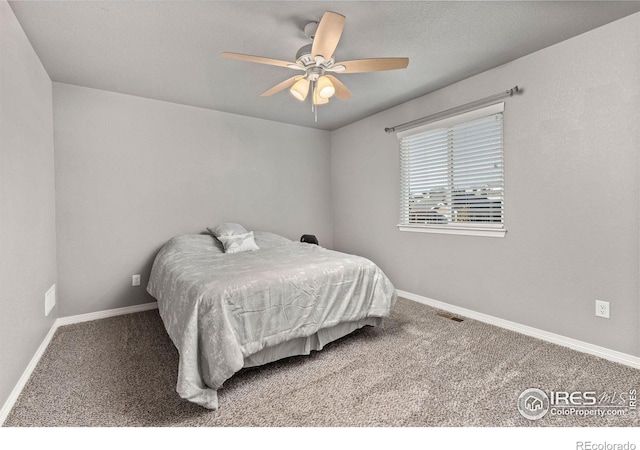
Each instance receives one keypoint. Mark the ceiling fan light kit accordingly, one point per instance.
(300, 89)
(317, 61)
(317, 99)
(325, 87)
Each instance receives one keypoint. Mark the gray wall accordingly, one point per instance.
(133, 172)
(27, 204)
(571, 201)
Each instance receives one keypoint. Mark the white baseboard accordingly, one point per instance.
(584, 347)
(62, 321)
(4, 412)
(106, 313)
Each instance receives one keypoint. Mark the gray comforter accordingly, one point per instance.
(220, 308)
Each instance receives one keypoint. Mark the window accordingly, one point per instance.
(452, 175)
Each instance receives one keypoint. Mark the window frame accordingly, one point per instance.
(484, 229)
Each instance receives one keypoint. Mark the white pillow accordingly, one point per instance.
(228, 229)
(239, 243)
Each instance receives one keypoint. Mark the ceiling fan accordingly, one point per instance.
(317, 62)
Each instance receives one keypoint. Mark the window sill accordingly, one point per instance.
(484, 232)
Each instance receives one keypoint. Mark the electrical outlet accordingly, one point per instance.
(49, 300)
(135, 280)
(602, 309)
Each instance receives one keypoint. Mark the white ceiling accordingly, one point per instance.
(170, 50)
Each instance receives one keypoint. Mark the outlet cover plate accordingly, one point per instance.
(135, 280)
(602, 309)
(49, 300)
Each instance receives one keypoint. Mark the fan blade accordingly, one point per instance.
(281, 86)
(370, 65)
(327, 35)
(341, 90)
(261, 60)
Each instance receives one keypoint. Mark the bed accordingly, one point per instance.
(225, 311)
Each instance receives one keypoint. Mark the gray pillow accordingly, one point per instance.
(228, 229)
(239, 243)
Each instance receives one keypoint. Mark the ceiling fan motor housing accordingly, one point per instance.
(303, 56)
(305, 59)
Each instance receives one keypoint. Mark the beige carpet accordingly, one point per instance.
(419, 370)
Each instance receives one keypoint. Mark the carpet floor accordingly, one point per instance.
(420, 369)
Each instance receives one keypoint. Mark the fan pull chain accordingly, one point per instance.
(314, 107)
(313, 89)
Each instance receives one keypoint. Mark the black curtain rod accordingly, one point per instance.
(457, 109)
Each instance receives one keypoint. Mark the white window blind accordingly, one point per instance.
(452, 174)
